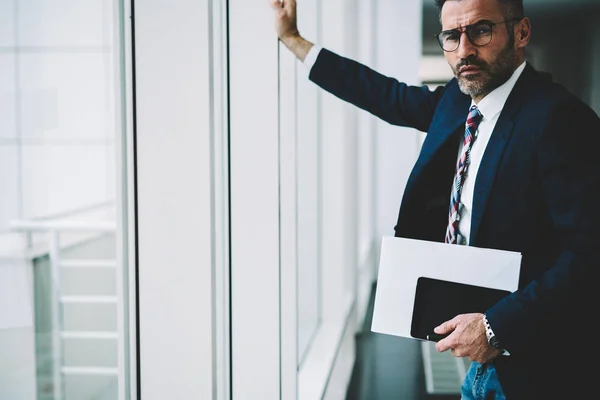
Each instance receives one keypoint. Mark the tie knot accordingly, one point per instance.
(474, 116)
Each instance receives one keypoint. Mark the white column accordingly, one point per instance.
(176, 188)
(336, 137)
(255, 201)
(308, 187)
(367, 134)
(290, 287)
(398, 55)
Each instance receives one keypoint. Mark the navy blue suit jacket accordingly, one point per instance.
(537, 192)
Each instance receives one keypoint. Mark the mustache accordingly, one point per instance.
(472, 61)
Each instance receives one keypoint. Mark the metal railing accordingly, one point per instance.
(54, 227)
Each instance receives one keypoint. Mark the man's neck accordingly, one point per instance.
(477, 98)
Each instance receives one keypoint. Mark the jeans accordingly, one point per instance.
(481, 383)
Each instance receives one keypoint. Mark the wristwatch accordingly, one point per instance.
(491, 337)
(495, 343)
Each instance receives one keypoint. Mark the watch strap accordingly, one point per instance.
(489, 333)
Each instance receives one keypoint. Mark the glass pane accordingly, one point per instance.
(308, 217)
(308, 193)
(62, 332)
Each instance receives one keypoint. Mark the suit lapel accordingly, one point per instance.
(494, 151)
(455, 108)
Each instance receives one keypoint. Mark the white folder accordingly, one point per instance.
(403, 261)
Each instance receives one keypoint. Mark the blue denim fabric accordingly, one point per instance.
(481, 383)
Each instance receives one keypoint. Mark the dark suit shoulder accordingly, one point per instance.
(542, 90)
(543, 100)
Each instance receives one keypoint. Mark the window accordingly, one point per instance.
(63, 300)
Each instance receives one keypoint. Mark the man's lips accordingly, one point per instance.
(469, 69)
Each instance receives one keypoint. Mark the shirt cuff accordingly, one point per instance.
(311, 57)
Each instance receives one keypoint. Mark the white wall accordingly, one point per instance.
(57, 106)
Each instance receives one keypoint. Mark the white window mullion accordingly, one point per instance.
(220, 126)
(255, 209)
(289, 224)
(176, 188)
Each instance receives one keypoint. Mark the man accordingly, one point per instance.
(509, 162)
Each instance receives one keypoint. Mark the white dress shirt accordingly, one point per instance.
(490, 107)
(311, 57)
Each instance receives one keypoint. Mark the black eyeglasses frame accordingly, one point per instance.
(467, 29)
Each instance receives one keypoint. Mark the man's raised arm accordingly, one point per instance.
(394, 102)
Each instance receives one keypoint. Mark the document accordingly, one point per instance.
(403, 261)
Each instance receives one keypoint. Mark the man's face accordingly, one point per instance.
(479, 69)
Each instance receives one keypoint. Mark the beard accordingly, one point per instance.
(490, 76)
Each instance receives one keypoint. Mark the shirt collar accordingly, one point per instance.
(492, 104)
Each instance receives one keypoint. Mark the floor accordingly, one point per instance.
(388, 368)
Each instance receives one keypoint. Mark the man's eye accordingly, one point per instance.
(451, 37)
(480, 30)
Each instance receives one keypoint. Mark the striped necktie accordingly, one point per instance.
(462, 165)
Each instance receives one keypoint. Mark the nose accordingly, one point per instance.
(465, 47)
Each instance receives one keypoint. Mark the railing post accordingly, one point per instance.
(56, 315)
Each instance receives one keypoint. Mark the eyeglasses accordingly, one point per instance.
(479, 34)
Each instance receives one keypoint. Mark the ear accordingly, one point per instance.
(522, 33)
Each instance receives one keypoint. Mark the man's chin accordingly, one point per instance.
(471, 87)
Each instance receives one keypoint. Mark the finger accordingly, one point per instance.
(444, 345)
(289, 5)
(446, 327)
(440, 347)
(449, 342)
(276, 4)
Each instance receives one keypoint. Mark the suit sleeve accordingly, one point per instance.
(569, 168)
(392, 101)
